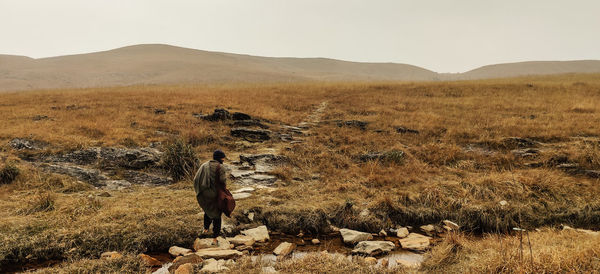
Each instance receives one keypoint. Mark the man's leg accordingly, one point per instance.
(207, 222)
(217, 227)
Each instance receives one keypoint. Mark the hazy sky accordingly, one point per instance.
(440, 35)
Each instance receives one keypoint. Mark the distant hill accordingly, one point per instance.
(164, 64)
(531, 68)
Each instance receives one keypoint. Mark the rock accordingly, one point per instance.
(402, 232)
(251, 134)
(203, 243)
(407, 264)
(428, 229)
(104, 194)
(269, 269)
(566, 227)
(589, 232)
(179, 251)
(249, 123)
(284, 249)
(187, 259)
(416, 242)
(403, 130)
(591, 173)
(40, 117)
(352, 236)
(242, 240)
(115, 184)
(244, 189)
(517, 142)
(451, 225)
(88, 175)
(353, 123)
(149, 261)
(240, 196)
(218, 253)
(240, 116)
(160, 111)
(385, 262)
(373, 247)
(265, 158)
(218, 115)
(525, 153)
(251, 216)
(503, 203)
(315, 241)
(382, 233)
(371, 260)
(213, 266)
(22, 143)
(259, 234)
(109, 255)
(185, 269)
(129, 158)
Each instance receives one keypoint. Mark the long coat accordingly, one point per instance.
(206, 187)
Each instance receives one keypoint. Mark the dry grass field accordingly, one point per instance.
(447, 150)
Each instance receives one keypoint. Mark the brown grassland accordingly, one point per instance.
(459, 166)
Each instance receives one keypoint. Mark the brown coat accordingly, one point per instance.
(205, 187)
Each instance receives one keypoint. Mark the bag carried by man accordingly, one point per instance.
(225, 201)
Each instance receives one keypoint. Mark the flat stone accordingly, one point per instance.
(259, 234)
(187, 259)
(251, 134)
(315, 241)
(244, 189)
(110, 255)
(240, 196)
(503, 203)
(242, 240)
(149, 260)
(218, 253)
(352, 236)
(373, 247)
(213, 266)
(406, 263)
(268, 269)
(382, 233)
(179, 251)
(284, 249)
(451, 225)
(185, 269)
(371, 260)
(429, 229)
(236, 173)
(415, 241)
(402, 232)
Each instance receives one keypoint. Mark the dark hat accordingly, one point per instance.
(218, 154)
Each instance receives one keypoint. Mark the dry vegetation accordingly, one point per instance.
(459, 166)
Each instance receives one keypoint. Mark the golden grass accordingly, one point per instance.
(458, 167)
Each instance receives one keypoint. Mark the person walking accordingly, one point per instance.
(209, 178)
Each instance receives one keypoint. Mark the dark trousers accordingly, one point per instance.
(216, 224)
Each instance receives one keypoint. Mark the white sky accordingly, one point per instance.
(440, 35)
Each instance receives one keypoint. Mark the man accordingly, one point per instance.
(205, 185)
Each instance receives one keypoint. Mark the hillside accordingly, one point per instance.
(531, 68)
(163, 64)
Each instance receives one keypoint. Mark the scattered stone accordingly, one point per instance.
(144, 178)
(149, 260)
(525, 153)
(589, 232)
(284, 249)
(407, 264)
(382, 233)
(592, 173)
(22, 143)
(373, 247)
(179, 251)
(315, 241)
(187, 259)
(415, 241)
(88, 175)
(451, 225)
(371, 260)
(244, 189)
(242, 240)
(353, 123)
(259, 234)
(185, 269)
(403, 130)
(115, 184)
(240, 116)
(109, 255)
(251, 135)
(428, 229)
(251, 216)
(218, 253)
(160, 111)
(218, 115)
(39, 117)
(517, 142)
(204, 243)
(402, 232)
(249, 123)
(503, 203)
(240, 196)
(385, 262)
(352, 236)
